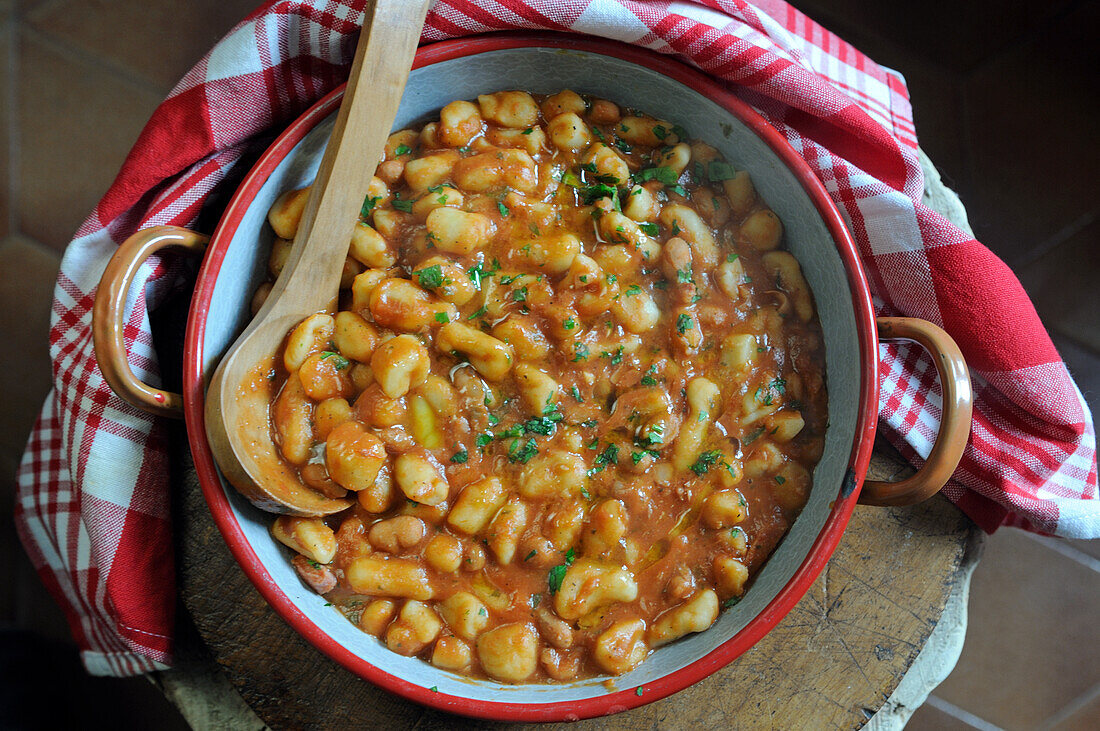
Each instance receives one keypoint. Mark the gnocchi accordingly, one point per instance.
(574, 387)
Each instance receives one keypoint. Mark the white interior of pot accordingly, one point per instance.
(542, 70)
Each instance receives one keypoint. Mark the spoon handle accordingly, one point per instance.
(378, 75)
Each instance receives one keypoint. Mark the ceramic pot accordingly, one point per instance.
(236, 261)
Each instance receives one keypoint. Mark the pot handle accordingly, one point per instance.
(958, 407)
(109, 310)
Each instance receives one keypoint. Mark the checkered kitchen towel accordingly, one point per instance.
(93, 506)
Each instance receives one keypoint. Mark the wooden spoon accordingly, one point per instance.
(239, 396)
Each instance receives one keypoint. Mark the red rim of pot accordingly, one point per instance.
(615, 701)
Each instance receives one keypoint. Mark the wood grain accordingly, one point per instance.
(833, 660)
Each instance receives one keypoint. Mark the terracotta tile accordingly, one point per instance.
(1030, 117)
(1062, 285)
(1032, 635)
(930, 718)
(189, 29)
(76, 128)
(1085, 718)
(27, 273)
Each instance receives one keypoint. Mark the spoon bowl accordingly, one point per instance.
(239, 395)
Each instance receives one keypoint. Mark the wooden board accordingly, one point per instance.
(833, 660)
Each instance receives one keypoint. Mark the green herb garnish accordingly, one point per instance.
(338, 361)
(430, 277)
(705, 461)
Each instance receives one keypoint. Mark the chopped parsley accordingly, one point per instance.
(483, 440)
(653, 436)
(592, 193)
(732, 258)
(478, 312)
(557, 574)
(576, 392)
(368, 205)
(527, 131)
(650, 229)
(662, 174)
(648, 379)
(580, 352)
(685, 276)
(730, 602)
(639, 691)
(633, 290)
(705, 461)
(684, 323)
(519, 295)
(430, 277)
(753, 435)
(608, 457)
(660, 132)
(478, 272)
(569, 324)
(524, 453)
(402, 150)
(718, 170)
(442, 317)
(543, 425)
(780, 479)
(401, 205)
(503, 209)
(338, 361)
(766, 394)
(555, 577)
(460, 457)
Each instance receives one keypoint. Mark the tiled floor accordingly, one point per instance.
(1006, 100)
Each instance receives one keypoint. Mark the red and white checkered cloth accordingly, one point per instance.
(92, 507)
